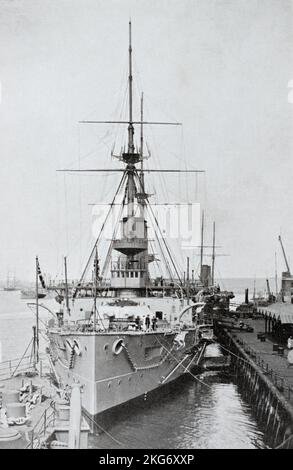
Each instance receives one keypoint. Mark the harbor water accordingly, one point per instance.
(207, 411)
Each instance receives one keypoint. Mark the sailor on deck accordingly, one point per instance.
(290, 342)
(147, 322)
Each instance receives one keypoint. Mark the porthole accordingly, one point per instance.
(106, 347)
(109, 384)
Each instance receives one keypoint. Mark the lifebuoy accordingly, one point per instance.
(117, 347)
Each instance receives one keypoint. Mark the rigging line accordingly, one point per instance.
(22, 357)
(105, 135)
(197, 269)
(57, 211)
(108, 256)
(157, 223)
(163, 256)
(169, 271)
(117, 93)
(155, 260)
(104, 430)
(138, 82)
(161, 178)
(166, 245)
(66, 211)
(185, 368)
(90, 152)
(79, 200)
(108, 433)
(120, 115)
(174, 257)
(102, 228)
(233, 354)
(103, 139)
(184, 158)
(111, 242)
(220, 278)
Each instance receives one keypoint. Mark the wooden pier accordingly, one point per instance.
(261, 365)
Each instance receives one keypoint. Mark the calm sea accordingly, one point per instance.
(208, 412)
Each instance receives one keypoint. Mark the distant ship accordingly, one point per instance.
(10, 283)
(31, 294)
(133, 336)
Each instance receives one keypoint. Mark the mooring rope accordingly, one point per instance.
(107, 432)
(185, 368)
(285, 441)
(242, 359)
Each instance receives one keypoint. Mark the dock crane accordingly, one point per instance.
(285, 257)
(271, 297)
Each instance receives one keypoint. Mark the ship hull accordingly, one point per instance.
(148, 362)
(31, 295)
(161, 394)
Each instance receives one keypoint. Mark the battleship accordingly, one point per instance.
(126, 341)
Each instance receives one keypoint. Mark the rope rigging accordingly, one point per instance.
(159, 228)
(98, 238)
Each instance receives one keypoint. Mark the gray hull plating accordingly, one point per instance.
(114, 368)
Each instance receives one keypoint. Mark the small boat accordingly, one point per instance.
(237, 326)
(31, 294)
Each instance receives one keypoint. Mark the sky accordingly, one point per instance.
(220, 67)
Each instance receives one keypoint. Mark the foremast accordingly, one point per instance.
(130, 274)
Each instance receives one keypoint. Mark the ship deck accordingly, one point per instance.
(37, 412)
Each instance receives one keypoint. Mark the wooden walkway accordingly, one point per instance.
(272, 363)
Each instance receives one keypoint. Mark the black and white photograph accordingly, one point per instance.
(146, 236)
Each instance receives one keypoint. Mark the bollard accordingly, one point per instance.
(75, 418)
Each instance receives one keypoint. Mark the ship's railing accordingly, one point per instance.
(43, 427)
(119, 324)
(12, 367)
